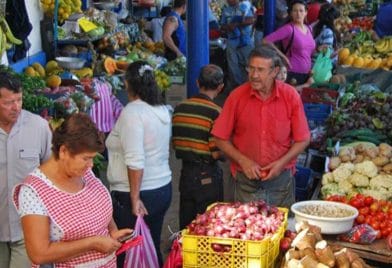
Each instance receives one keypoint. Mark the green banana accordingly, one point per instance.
(8, 33)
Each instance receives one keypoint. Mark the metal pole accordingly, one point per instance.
(269, 16)
(197, 42)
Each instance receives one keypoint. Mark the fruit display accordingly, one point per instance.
(247, 221)
(360, 168)
(7, 38)
(65, 8)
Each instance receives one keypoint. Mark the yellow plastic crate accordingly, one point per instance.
(197, 250)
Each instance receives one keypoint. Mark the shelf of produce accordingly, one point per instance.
(377, 251)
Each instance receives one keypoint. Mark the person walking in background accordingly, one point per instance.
(66, 211)
(238, 27)
(24, 144)
(201, 177)
(138, 147)
(298, 43)
(156, 24)
(324, 30)
(262, 128)
(174, 32)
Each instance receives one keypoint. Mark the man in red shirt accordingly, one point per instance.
(262, 129)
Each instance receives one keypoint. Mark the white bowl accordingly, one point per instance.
(70, 62)
(328, 225)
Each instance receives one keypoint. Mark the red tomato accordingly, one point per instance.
(384, 232)
(380, 216)
(355, 203)
(263, 174)
(364, 210)
(360, 219)
(378, 236)
(375, 225)
(368, 200)
(374, 206)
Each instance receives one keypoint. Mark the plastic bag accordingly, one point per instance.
(143, 255)
(360, 234)
(322, 68)
(174, 260)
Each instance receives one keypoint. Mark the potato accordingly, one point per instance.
(380, 161)
(387, 168)
(372, 152)
(385, 149)
(358, 158)
(334, 162)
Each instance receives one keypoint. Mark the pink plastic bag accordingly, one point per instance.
(143, 255)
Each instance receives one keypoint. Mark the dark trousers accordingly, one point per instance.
(156, 201)
(201, 184)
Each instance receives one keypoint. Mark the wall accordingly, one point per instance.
(35, 16)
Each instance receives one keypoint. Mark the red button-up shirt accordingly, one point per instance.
(263, 130)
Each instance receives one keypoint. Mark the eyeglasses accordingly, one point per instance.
(252, 69)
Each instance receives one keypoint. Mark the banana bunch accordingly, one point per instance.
(7, 38)
(384, 45)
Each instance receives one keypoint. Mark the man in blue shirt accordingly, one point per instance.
(383, 23)
(237, 21)
(174, 34)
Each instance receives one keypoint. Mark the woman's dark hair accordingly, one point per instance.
(293, 2)
(165, 11)
(210, 77)
(328, 13)
(141, 82)
(10, 82)
(78, 134)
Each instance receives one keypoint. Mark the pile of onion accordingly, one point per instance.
(246, 221)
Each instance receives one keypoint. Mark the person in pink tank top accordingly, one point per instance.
(66, 212)
(298, 43)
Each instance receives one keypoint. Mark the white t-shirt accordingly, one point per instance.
(140, 141)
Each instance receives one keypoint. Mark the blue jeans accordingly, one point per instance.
(156, 201)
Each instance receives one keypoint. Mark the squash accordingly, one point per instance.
(110, 66)
(122, 65)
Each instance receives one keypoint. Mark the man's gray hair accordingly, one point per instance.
(267, 51)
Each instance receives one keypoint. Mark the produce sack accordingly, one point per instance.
(143, 255)
(322, 68)
(174, 260)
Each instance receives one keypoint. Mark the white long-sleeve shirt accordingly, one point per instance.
(140, 141)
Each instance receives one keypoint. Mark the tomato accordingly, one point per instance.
(380, 216)
(383, 224)
(375, 225)
(355, 203)
(368, 200)
(384, 232)
(378, 236)
(360, 219)
(263, 174)
(374, 206)
(364, 210)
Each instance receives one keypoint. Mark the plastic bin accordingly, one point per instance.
(311, 108)
(303, 183)
(197, 250)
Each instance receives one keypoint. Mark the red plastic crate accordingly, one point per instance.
(319, 95)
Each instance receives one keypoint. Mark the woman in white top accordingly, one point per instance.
(138, 148)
